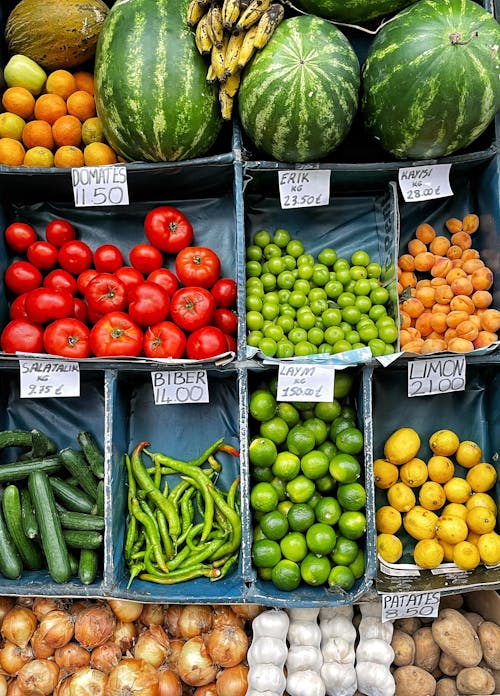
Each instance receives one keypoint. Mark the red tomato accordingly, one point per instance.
(19, 236)
(231, 343)
(80, 310)
(18, 307)
(93, 317)
(206, 342)
(22, 276)
(58, 232)
(75, 257)
(67, 337)
(115, 335)
(226, 321)
(129, 276)
(191, 308)
(168, 229)
(22, 335)
(84, 279)
(58, 279)
(107, 258)
(166, 279)
(148, 303)
(164, 340)
(42, 254)
(106, 293)
(224, 292)
(198, 266)
(43, 305)
(145, 258)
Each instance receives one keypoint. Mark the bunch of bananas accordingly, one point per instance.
(230, 31)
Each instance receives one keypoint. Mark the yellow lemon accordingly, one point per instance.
(457, 490)
(389, 547)
(488, 546)
(387, 520)
(420, 523)
(473, 537)
(447, 549)
(440, 469)
(444, 442)
(414, 472)
(428, 553)
(468, 454)
(466, 555)
(451, 529)
(402, 446)
(481, 520)
(481, 500)
(385, 474)
(481, 477)
(432, 496)
(455, 509)
(401, 497)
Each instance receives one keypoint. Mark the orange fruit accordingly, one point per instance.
(38, 133)
(68, 156)
(18, 100)
(60, 82)
(84, 81)
(96, 154)
(67, 130)
(38, 157)
(50, 107)
(11, 152)
(11, 126)
(81, 104)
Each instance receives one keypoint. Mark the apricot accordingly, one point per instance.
(482, 299)
(470, 223)
(433, 345)
(399, 271)
(449, 334)
(455, 317)
(454, 274)
(406, 262)
(440, 245)
(441, 309)
(426, 295)
(482, 279)
(413, 307)
(485, 339)
(462, 239)
(424, 261)
(423, 324)
(414, 346)
(467, 329)
(470, 254)
(436, 282)
(454, 252)
(453, 225)
(457, 263)
(460, 345)
(442, 266)
(404, 320)
(438, 322)
(462, 303)
(490, 320)
(425, 233)
(471, 265)
(424, 283)
(415, 246)
(461, 286)
(476, 321)
(408, 279)
(399, 288)
(443, 294)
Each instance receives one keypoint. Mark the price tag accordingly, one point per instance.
(403, 605)
(96, 186)
(305, 382)
(41, 379)
(180, 387)
(304, 188)
(436, 375)
(425, 182)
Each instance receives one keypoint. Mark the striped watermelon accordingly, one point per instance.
(352, 10)
(431, 80)
(151, 91)
(298, 96)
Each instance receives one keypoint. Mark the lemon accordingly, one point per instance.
(385, 474)
(401, 497)
(387, 520)
(468, 454)
(402, 446)
(447, 549)
(457, 490)
(473, 537)
(420, 523)
(440, 469)
(389, 547)
(466, 555)
(481, 477)
(480, 520)
(489, 548)
(428, 553)
(481, 500)
(432, 496)
(456, 510)
(414, 473)
(451, 529)
(444, 442)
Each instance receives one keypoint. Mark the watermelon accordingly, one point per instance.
(150, 83)
(352, 11)
(298, 96)
(431, 80)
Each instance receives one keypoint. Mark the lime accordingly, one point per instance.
(345, 551)
(286, 466)
(284, 506)
(294, 547)
(343, 384)
(262, 473)
(352, 524)
(328, 510)
(351, 496)
(314, 499)
(300, 517)
(300, 440)
(315, 570)
(265, 553)
(262, 451)
(341, 576)
(327, 411)
(348, 411)
(328, 448)
(358, 565)
(344, 468)
(318, 428)
(264, 573)
(314, 464)
(288, 412)
(300, 489)
(320, 538)
(274, 525)
(262, 405)
(279, 486)
(340, 423)
(263, 497)
(275, 429)
(350, 441)
(258, 534)
(286, 575)
(325, 484)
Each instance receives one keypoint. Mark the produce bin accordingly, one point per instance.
(472, 414)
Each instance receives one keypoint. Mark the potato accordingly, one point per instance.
(404, 648)
(408, 625)
(412, 680)
(427, 651)
(456, 637)
(448, 665)
(454, 601)
(446, 687)
(489, 636)
(496, 676)
(475, 680)
(473, 618)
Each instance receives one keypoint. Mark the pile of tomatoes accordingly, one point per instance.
(72, 301)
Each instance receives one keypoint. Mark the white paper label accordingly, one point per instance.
(40, 379)
(305, 382)
(96, 186)
(304, 188)
(436, 375)
(180, 387)
(403, 605)
(425, 182)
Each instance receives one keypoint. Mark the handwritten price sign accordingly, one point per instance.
(407, 605)
(425, 183)
(304, 189)
(46, 378)
(305, 382)
(436, 375)
(180, 387)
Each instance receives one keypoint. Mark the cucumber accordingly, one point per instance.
(77, 466)
(74, 562)
(77, 539)
(30, 525)
(15, 438)
(82, 521)
(41, 446)
(11, 565)
(51, 534)
(28, 550)
(87, 566)
(70, 496)
(92, 453)
(15, 471)
(98, 508)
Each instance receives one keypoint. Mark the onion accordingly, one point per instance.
(152, 645)
(71, 657)
(124, 635)
(3, 685)
(207, 690)
(232, 681)
(56, 628)
(171, 620)
(169, 683)
(87, 682)
(195, 666)
(42, 606)
(12, 657)
(13, 688)
(225, 616)
(18, 625)
(77, 607)
(62, 688)
(6, 604)
(247, 611)
(126, 610)
(40, 648)
(173, 654)
(94, 625)
(38, 677)
(152, 614)
(195, 619)
(227, 645)
(132, 677)
(106, 656)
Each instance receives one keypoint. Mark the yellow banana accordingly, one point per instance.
(247, 48)
(252, 14)
(230, 13)
(217, 59)
(234, 45)
(231, 84)
(226, 104)
(202, 37)
(211, 76)
(195, 13)
(215, 21)
(267, 24)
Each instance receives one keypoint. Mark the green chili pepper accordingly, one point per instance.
(189, 573)
(135, 570)
(195, 530)
(231, 494)
(130, 538)
(151, 532)
(203, 553)
(233, 518)
(227, 567)
(163, 529)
